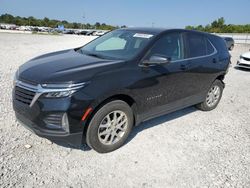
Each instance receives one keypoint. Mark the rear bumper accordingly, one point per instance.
(73, 139)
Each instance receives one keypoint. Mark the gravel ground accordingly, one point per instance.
(188, 148)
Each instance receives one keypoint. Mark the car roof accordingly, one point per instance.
(156, 31)
(146, 29)
(228, 38)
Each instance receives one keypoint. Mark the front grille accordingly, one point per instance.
(246, 59)
(23, 95)
(31, 83)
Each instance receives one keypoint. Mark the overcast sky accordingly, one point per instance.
(163, 13)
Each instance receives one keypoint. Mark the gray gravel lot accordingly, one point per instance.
(188, 148)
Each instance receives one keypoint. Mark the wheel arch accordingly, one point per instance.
(104, 100)
(220, 77)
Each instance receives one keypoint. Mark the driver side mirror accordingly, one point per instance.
(157, 60)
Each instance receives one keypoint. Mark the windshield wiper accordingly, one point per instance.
(94, 55)
(101, 56)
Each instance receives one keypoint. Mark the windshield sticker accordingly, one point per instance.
(142, 35)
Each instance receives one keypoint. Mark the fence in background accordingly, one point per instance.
(239, 38)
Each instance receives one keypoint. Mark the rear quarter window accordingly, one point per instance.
(209, 48)
(220, 45)
(198, 45)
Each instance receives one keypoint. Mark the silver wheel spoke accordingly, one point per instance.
(112, 138)
(213, 96)
(115, 117)
(121, 124)
(216, 91)
(106, 138)
(104, 132)
(112, 127)
(109, 120)
(122, 129)
(120, 118)
(117, 135)
(104, 125)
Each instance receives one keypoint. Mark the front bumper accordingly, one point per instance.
(243, 64)
(36, 117)
(73, 139)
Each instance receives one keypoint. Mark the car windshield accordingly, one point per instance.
(118, 44)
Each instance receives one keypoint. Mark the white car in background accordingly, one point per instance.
(244, 61)
(99, 33)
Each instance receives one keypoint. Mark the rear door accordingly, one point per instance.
(202, 62)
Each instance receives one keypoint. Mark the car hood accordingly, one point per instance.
(247, 55)
(66, 66)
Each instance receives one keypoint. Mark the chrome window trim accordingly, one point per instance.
(199, 57)
(191, 58)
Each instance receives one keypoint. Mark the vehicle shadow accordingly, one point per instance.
(159, 120)
(83, 146)
(141, 127)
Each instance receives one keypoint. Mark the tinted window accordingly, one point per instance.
(228, 39)
(113, 43)
(170, 46)
(198, 45)
(210, 48)
(118, 44)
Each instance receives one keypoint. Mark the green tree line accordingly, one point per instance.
(46, 22)
(219, 26)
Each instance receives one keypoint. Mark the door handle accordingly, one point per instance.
(215, 60)
(185, 66)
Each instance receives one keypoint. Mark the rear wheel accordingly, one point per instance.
(110, 126)
(231, 47)
(213, 97)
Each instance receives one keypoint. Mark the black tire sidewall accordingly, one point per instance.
(220, 85)
(231, 47)
(92, 131)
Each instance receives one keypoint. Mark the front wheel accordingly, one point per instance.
(213, 97)
(110, 126)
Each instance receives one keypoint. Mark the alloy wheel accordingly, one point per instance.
(213, 96)
(113, 127)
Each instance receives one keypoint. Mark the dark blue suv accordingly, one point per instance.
(98, 92)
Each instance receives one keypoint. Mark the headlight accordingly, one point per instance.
(59, 94)
(64, 86)
(60, 90)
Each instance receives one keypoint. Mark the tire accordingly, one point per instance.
(231, 48)
(211, 101)
(110, 126)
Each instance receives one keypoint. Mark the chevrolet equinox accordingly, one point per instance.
(95, 94)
